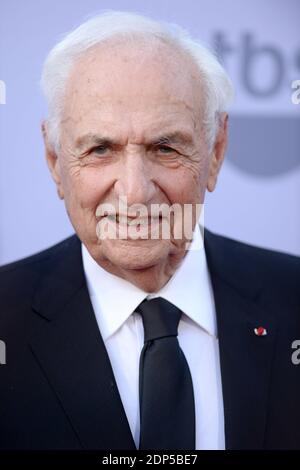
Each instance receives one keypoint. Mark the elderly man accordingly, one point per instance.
(128, 335)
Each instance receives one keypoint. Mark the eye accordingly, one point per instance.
(100, 150)
(165, 149)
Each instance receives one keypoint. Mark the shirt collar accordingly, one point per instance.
(114, 299)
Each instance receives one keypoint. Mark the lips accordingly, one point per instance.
(119, 226)
(133, 221)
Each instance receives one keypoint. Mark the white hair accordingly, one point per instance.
(218, 88)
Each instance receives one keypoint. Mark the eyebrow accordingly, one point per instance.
(93, 139)
(177, 137)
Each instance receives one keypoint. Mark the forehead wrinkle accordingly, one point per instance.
(101, 60)
(121, 109)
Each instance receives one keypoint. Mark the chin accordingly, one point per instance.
(136, 255)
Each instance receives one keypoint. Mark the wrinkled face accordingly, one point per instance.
(132, 128)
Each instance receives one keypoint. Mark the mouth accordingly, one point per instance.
(134, 228)
(127, 221)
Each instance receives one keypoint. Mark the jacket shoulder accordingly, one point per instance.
(18, 280)
(37, 258)
(252, 263)
(235, 246)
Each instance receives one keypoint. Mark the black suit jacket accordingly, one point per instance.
(57, 388)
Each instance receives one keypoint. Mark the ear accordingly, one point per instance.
(52, 160)
(218, 153)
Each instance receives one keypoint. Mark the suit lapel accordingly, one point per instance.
(70, 350)
(245, 358)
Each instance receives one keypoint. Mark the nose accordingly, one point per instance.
(135, 180)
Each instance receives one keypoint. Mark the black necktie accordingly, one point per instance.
(167, 409)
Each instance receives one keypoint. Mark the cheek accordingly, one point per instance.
(187, 186)
(86, 187)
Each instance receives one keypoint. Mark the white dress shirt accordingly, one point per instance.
(114, 301)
